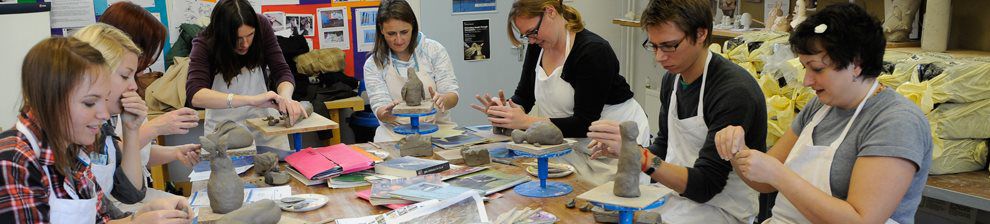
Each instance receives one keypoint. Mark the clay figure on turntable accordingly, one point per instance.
(416, 145)
(225, 188)
(412, 91)
(539, 133)
(627, 176)
(260, 212)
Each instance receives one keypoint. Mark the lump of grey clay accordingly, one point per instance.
(237, 135)
(539, 133)
(260, 212)
(476, 156)
(412, 91)
(627, 176)
(276, 178)
(265, 162)
(416, 145)
(225, 188)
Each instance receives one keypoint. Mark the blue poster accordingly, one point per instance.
(473, 6)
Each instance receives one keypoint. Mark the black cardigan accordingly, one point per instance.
(592, 70)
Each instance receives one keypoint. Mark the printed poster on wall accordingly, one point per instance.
(477, 44)
(72, 13)
(364, 18)
(277, 19)
(333, 28)
(473, 6)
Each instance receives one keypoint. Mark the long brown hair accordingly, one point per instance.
(52, 69)
(533, 8)
(221, 34)
(142, 27)
(397, 10)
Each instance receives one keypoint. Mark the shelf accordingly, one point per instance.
(635, 23)
(954, 53)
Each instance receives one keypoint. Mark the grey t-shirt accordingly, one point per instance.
(890, 126)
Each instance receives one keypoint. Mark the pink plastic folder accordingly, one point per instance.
(309, 162)
(349, 160)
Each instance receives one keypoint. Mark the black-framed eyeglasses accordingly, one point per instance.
(663, 47)
(534, 31)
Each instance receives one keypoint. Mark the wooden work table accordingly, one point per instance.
(970, 189)
(343, 203)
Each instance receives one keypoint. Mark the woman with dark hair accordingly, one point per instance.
(236, 79)
(399, 46)
(858, 152)
(45, 174)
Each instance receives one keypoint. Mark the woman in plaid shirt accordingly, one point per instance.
(44, 173)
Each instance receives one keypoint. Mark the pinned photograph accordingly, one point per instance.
(332, 18)
(277, 19)
(301, 24)
(364, 20)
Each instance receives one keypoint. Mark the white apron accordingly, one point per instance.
(737, 203)
(394, 80)
(555, 99)
(104, 171)
(813, 163)
(247, 83)
(72, 210)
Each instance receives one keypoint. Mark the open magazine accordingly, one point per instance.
(465, 208)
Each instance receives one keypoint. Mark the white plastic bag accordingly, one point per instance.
(957, 156)
(961, 121)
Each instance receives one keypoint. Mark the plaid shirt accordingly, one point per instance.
(24, 185)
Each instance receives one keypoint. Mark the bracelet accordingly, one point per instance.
(230, 99)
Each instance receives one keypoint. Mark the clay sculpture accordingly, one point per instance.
(264, 163)
(276, 178)
(225, 188)
(260, 212)
(627, 176)
(238, 136)
(412, 91)
(800, 13)
(416, 145)
(899, 18)
(476, 156)
(539, 133)
(283, 119)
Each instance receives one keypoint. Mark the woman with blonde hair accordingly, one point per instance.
(570, 77)
(120, 171)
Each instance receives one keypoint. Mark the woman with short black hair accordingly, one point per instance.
(857, 152)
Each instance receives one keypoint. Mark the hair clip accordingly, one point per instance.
(821, 28)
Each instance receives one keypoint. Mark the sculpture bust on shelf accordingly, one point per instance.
(800, 13)
(899, 18)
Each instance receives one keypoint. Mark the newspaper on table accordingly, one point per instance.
(465, 208)
(201, 171)
(201, 199)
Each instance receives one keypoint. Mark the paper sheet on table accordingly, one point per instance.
(201, 199)
(443, 133)
(202, 169)
(72, 13)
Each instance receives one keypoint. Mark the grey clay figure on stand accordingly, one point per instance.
(225, 188)
(627, 177)
(412, 91)
(539, 133)
(260, 212)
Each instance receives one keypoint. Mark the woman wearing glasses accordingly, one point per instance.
(399, 47)
(701, 93)
(570, 77)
